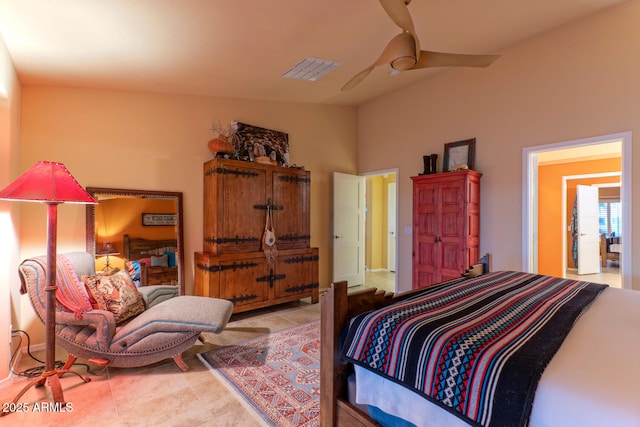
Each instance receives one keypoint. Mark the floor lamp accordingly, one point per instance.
(49, 183)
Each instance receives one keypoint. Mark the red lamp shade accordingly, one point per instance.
(48, 182)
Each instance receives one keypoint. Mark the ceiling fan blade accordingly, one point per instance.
(399, 13)
(355, 80)
(438, 59)
(400, 46)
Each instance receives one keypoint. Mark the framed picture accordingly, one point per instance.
(159, 219)
(459, 153)
(253, 143)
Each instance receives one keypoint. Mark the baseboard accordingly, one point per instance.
(34, 348)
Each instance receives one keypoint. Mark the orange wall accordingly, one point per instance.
(111, 224)
(550, 213)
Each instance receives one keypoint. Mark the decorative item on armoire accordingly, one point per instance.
(269, 238)
(256, 144)
(430, 164)
(459, 155)
(220, 144)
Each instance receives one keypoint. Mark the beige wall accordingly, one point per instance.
(159, 142)
(9, 212)
(577, 82)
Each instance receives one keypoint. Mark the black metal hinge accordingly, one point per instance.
(302, 258)
(234, 266)
(301, 288)
(294, 237)
(242, 298)
(236, 172)
(236, 240)
(295, 178)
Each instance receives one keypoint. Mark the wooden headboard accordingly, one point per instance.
(137, 248)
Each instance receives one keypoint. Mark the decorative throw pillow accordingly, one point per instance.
(116, 293)
(171, 258)
(160, 261)
(93, 301)
(133, 268)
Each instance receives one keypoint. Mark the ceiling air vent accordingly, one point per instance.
(311, 69)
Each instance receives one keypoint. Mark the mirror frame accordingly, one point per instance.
(153, 194)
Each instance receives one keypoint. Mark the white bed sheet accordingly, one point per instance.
(593, 380)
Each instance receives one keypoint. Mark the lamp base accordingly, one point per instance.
(53, 377)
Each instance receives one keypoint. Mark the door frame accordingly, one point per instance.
(395, 171)
(393, 200)
(530, 190)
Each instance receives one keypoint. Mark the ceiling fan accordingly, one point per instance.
(403, 51)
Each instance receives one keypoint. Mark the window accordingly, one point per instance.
(609, 221)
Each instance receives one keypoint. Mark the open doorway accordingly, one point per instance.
(381, 230)
(532, 193)
(607, 224)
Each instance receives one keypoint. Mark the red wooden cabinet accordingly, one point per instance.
(446, 225)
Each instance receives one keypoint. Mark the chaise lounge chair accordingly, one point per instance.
(169, 324)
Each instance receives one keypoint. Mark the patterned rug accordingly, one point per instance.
(278, 374)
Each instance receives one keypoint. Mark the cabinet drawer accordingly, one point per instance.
(297, 273)
(250, 282)
(244, 281)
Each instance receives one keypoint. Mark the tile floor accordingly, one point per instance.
(609, 275)
(160, 394)
(380, 279)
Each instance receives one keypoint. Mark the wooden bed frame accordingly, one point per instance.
(137, 248)
(336, 309)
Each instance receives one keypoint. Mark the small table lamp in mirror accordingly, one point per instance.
(107, 250)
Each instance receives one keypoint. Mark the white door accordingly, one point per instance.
(391, 226)
(588, 237)
(348, 228)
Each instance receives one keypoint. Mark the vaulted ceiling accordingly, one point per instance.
(240, 48)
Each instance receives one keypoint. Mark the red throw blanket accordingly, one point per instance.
(71, 294)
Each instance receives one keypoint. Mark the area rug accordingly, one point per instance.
(277, 374)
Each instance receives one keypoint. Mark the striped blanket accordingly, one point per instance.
(475, 347)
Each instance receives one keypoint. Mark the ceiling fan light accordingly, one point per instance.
(403, 63)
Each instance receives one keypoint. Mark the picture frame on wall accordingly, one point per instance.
(457, 154)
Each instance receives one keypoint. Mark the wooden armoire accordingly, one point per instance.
(446, 225)
(237, 198)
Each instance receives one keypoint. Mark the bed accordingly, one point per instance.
(610, 249)
(151, 262)
(592, 379)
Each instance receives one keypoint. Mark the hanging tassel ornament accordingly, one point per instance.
(269, 239)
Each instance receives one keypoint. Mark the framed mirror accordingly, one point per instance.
(138, 230)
